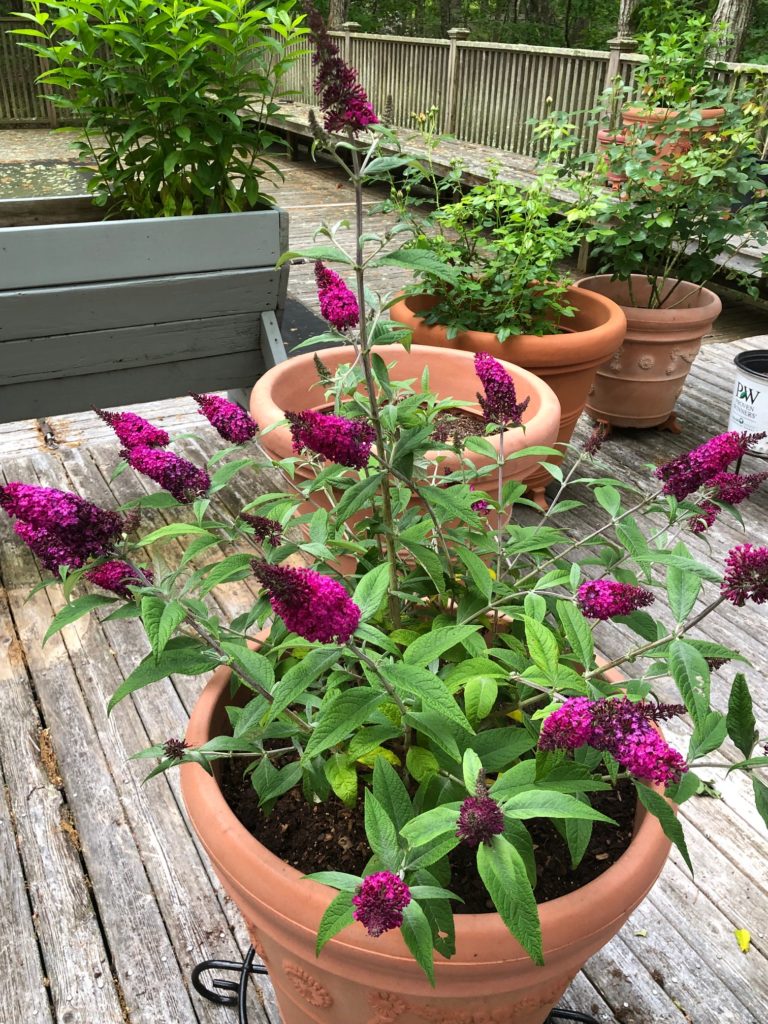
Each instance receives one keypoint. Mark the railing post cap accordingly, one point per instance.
(458, 33)
(351, 26)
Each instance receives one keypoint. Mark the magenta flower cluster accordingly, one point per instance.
(746, 575)
(180, 477)
(117, 575)
(623, 729)
(264, 529)
(60, 527)
(133, 430)
(690, 471)
(602, 599)
(341, 440)
(316, 607)
(228, 419)
(480, 819)
(380, 902)
(342, 99)
(499, 404)
(338, 305)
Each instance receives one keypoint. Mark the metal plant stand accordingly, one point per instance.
(234, 992)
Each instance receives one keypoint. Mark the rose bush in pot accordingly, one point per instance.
(441, 701)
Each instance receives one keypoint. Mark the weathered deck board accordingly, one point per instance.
(140, 870)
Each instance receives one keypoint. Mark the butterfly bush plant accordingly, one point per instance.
(447, 684)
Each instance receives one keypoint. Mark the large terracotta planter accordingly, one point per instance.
(293, 386)
(567, 361)
(360, 980)
(639, 386)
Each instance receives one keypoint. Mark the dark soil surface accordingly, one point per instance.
(454, 426)
(331, 837)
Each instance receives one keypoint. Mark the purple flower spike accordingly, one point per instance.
(690, 471)
(264, 529)
(228, 419)
(133, 430)
(733, 488)
(117, 576)
(179, 476)
(347, 442)
(500, 402)
(60, 527)
(602, 599)
(705, 517)
(342, 99)
(316, 607)
(380, 901)
(746, 575)
(569, 727)
(480, 819)
(338, 305)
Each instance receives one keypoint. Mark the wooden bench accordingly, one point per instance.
(111, 312)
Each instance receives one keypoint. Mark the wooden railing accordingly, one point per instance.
(488, 93)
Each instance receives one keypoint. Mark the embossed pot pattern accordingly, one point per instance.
(361, 980)
(639, 386)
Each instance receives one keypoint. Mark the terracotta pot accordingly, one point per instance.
(639, 386)
(293, 386)
(360, 980)
(605, 139)
(663, 118)
(566, 361)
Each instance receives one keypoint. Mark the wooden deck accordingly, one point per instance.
(108, 899)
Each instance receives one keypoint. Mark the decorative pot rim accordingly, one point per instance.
(203, 798)
(658, 115)
(706, 312)
(571, 347)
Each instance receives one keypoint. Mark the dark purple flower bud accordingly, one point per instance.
(118, 575)
(316, 607)
(342, 99)
(480, 819)
(228, 419)
(706, 515)
(174, 748)
(72, 527)
(716, 663)
(602, 599)
(338, 304)
(481, 506)
(132, 429)
(178, 476)
(596, 439)
(690, 471)
(733, 488)
(380, 901)
(341, 440)
(746, 575)
(264, 529)
(500, 402)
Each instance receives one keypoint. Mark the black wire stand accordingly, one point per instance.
(234, 991)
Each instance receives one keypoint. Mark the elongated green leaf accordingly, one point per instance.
(337, 879)
(180, 657)
(658, 806)
(472, 770)
(353, 499)
(417, 933)
(174, 530)
(740, 721)
(478, 570)
(430, 646)
(691, 675)
(75, 610)
(255, 664)
(381, 833)
(577, 632)
(411, 681)
(683, 588)
(541, 645)
(339, 716)
(421, 763)
(548, 804)
(418, 260)
(371, 591)
(502, 869)
(299, 678)
(480, 695)
(224, 474)
(432, 824)
(336, 918)
(708, 735)
(233, 567)
(390, 791)
(761, 798)
(342, 776)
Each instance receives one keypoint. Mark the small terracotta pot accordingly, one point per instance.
(292, 386)
(663, 118)
(605, 138)
(639, 386)
(361, 980)
(566, 361)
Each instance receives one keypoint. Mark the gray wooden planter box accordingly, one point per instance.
(113, 312)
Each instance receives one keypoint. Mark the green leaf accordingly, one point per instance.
(541, 644)
(390, 791)
(75, 610)
(708, 735)
(578, 834)
(300, 677)
(353, 499)
(419, 261)
(502, 869)
(421, 763)
(549, 804)
(342, 777)
(761, 798)
(577, 633)
(682, 590)
(174, 530)
(411, 681)
(339, 716)
(336, 879)
(430, 646)
(381, 833)
(740, 720)
(181, 656)
(478, 570)
(691, 675)
(673, 830)
(371, 591)
(233, 567)
(224, 474)
(417, 933)
(472, 770)
(609, 498)
(255, 664)
(432, 824)
(279, 782)
(336, 918)
(480, 695)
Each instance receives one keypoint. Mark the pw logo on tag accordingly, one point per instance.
(745, 394)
